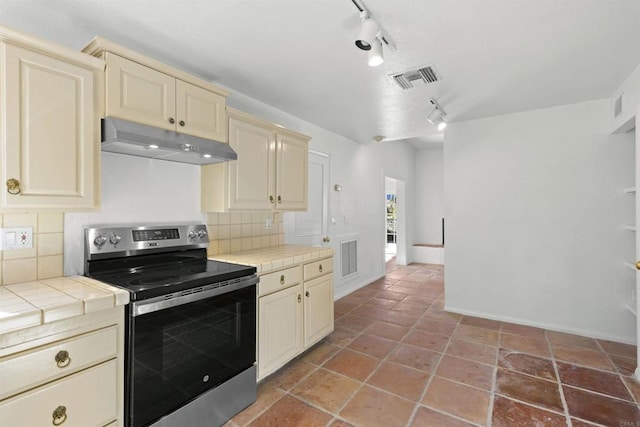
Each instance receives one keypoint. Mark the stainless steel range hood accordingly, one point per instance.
(134, 139)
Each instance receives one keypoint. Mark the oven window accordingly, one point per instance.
(180, 352)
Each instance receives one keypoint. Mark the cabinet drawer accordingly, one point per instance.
(87, 398)
(33, 367)
(318, 268)
(272, 282)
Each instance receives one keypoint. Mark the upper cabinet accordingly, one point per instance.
(51, 104)
(270, 173)
(143, 90)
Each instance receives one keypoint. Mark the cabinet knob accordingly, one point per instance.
(270, 199)
(59, 415)
(282, 279)
(62, 359)
(299, 298)
(172, 120)
(307, 294)
(326, 239)
(13, 186)
(638, 265)
(181, 123)
(279, 199)
(320, 268)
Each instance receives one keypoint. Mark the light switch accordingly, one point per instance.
(11, 238)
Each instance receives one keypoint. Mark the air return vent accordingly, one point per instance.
(422, 76)
(349, 257)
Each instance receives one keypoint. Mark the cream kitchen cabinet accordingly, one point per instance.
(280, 329)
(69, 372)
(295, 311)
(51, 104)
(318, 301)
(270, 173)
(146, 91)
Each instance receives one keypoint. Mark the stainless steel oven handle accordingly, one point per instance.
(166, 301)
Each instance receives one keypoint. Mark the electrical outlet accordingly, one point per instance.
(16, 238)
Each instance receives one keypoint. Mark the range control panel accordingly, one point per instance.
(116, 239)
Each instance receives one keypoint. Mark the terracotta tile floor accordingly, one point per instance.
(397, 359)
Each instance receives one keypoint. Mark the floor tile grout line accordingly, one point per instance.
(432, 375)
(567, 415)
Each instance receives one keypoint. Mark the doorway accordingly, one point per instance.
(311, 228)
(391, 220)
(395, 223)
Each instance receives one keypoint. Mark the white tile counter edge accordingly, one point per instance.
(274, 258)
(23, 305)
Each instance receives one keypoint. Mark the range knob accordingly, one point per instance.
(100, 240)
(114, 238)
(192, 234)
(202, 233)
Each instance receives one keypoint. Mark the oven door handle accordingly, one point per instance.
(188, 296)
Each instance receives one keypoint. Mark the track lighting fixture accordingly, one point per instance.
(375, 54)
(436, 117)
(368, 32)
(371, 37)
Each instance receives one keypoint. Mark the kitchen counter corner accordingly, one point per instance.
(23, 305)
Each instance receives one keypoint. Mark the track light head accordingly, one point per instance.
(436, 117)
(367, 35)
(375, 54)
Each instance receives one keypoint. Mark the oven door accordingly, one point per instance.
(184, 345)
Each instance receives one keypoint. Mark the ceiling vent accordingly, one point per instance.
(424, 75)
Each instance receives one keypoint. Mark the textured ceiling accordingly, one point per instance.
(494, 56)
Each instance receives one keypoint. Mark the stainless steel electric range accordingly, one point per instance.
(190, 326)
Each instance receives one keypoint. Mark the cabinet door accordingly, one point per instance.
(251, 177)
(200, 112)
(140, 94)
(291, 179)
(279, 329)
(318, 309)
(49, 137)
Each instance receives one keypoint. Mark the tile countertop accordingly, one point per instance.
(276, 257)
(23, 305)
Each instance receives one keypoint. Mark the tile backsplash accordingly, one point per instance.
(45, 259)
(241, 231)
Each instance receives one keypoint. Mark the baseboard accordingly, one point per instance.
(353, 286)
(542, 325)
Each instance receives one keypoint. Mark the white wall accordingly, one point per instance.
(534, 220)
(429, 195)
(135, 190)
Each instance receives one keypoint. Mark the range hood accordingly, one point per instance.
(135, 139)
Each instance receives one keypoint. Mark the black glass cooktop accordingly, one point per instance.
(149, 276)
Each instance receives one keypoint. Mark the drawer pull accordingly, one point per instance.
(282, 279)
(299, 298)
(62, 359)
(320, 268)
(59, 415)
(307, 294)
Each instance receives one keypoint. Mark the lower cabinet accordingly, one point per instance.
(318, 309)
(280, 328)
(69, 373)
(295, 311)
